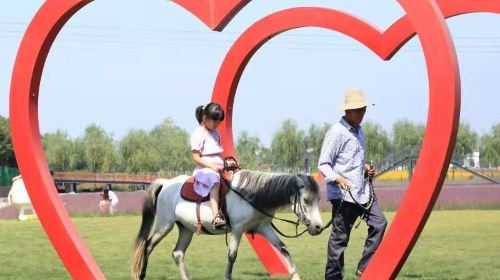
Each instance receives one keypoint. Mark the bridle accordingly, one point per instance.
(301, 214)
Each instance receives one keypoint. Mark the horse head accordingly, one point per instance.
(305, 203)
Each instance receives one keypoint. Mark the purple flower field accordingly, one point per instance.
(454, 195)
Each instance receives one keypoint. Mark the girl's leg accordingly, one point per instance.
(214, 204)
(214, 199)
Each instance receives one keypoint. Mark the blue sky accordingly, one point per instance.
(131, 66)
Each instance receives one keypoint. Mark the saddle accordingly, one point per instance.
(188, 193)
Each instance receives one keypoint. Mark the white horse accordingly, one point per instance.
(18, 197)
(266, 191)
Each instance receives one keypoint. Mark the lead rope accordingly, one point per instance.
(365, 208)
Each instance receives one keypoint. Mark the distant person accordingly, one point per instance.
(206, 150)
(109, 201)
(348, 178)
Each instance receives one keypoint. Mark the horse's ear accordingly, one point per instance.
(304, 176)
(308, 180)
(302, 180)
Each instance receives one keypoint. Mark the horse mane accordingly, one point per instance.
(271, 190)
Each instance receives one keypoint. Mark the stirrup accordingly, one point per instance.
(219, 222)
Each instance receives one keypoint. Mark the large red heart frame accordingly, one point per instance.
(423, 17)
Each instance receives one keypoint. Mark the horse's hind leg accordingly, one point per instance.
(183, 242)
(157, 236)
(270, 234)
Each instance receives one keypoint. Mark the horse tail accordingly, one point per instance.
(148, 216)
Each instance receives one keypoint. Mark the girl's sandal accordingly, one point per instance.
(219, 222)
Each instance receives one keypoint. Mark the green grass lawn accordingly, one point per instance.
(461, 244)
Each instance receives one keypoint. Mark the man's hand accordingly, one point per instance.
(343, 183)
(370, 170)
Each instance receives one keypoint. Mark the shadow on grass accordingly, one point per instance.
(258, 275)
(414, 276)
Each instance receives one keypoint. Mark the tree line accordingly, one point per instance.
(166, 148)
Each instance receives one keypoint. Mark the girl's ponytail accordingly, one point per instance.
(199, 114)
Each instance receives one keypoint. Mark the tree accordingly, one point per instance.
(314, 142)
(78, 161)
(490, 147)
(407, 133)
(249, 150)
(99, 150)
(172, 145)
(139, 153)
(377, 141)
(288, 146)
(267, 159)
(7, 157)
(466, 140)
(59, 151)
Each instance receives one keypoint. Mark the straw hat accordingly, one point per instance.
(354, 99)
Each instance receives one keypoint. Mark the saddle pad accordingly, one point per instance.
(189, 194)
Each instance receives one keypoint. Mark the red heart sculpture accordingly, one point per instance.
(52, 16)
(444, 83)
(214, 13)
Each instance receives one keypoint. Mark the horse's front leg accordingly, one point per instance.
(269, 233)
(234, 242)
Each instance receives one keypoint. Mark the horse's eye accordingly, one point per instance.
(306, 201)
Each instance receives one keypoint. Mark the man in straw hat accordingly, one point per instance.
(348, 177)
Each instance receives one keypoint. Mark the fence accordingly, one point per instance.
(6, 175)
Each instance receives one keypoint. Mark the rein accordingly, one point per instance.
(296, 197)
(365, 208)
(297, 234)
